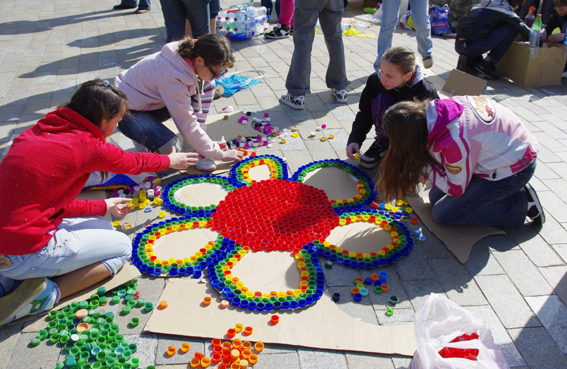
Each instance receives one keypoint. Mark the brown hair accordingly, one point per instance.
(559, 3)
(213, 48)
(402, 57)
(98, 100)
(407, 159)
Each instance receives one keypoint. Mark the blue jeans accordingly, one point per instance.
(496, 44)
(78, 242)
(176, 11)
(502, 203)
(390, 16)
(305, 15)
(144, 4)
(147, 129)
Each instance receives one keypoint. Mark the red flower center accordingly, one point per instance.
(275, 215)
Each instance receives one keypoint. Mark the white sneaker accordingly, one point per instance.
(296, 102)
(32, 297)
(206, 165)
(340, 95)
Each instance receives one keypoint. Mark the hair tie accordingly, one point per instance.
(105, 83)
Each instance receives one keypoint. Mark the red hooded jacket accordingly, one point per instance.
(47, 167)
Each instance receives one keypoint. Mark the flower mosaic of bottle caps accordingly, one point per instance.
(280, 213)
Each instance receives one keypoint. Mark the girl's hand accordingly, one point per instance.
(117, 206)
(352, 149)
(182, 160)
(232, 155)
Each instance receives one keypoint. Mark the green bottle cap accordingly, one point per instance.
(126, 310)
(35, 341)
(115, 299)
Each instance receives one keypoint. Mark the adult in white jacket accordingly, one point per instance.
(177, 82)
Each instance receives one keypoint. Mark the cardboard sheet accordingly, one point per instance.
(459, 239)
(201, 194)
(360, 237)
(127, 273)
(322, 325)
(336, 183)
(460, 83)
(184, 244)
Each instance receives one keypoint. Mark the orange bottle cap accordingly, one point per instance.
(253, 359)
(195, 362)
(227, 345)
(246, 353)
(248, 331)
(238, 327)
(246, 345)
(216, 342)
(243, 364)
(237, 343)
(199, 355)
(230, 332)
(80, 314)
(207, 301)
(171, 350)
(185, 346)
(216, 358)
(384, 287)
(235, 365)
(82, 327)
(205, 362)
(275, 319)
(259, 346)
(163, 304)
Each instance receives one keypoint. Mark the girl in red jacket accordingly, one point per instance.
(44, 231)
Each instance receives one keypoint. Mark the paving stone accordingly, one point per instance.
(395, 287)
(507, 302)
(523, 273)
(401, 362)
(414, 266)
(553, 315)
(271, 361)
(147, 345)
(556, 278)
(499, 334)
(400, 317)
(359, 360)
(537, 348)
(482, 261)
(313, 358)
(164, 341)
(457, 282)
(362, 310)
(9, 336)
(24, 355)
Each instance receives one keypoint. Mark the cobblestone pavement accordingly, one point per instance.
(515, 281)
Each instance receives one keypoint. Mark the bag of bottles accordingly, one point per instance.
(242, 23)
(439, 17)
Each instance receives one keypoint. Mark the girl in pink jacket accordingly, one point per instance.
(177, 82)
(476, 152)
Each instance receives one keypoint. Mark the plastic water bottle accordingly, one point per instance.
(533, 48)
(537, 23)
(240, 16)
(238, 27)
(530, 18)
(222, 27)
(242, 35)
(221, 16)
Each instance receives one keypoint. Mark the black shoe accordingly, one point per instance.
(535, 210)
(462, 63)
(124, 7)
(488, 69)
(280, 31)
(373, 156)
(142, 11)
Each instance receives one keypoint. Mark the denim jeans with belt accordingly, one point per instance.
(421, 22)
(502, 203)
(305, 15)
(78, 242)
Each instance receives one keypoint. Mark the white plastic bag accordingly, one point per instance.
(439, 321)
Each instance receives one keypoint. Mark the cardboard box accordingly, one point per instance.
(460, 83)
(544, 71)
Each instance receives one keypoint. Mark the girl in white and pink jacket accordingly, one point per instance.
(476, 152)
(177, 82)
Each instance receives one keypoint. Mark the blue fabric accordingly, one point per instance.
(496, 44)
(176, 11)
(502, 203)
(234, 83)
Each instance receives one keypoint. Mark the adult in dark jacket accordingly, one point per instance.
(399, 79)
(490, 27)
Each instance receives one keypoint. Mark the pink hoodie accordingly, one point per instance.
(472, 135)
(165, 79)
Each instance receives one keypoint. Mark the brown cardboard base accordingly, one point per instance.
(459, 239)
(322, 325)
(460, 83)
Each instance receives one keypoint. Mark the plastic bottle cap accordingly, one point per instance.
(162, 304)
(234, 354)
(275, 319)
(195, 362)
(80, 314)
(224, 304)
(82, 327)
(394, 300)
(238, 327)
(247, 331)
(207, 301)
(389, 311)
(171, 350)
(259, 346)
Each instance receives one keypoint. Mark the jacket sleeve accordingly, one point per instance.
(426, 91)
(177, 99)
(515, 22)
(78, 208)
(455, 168)
(363, 122)
(104, 157)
